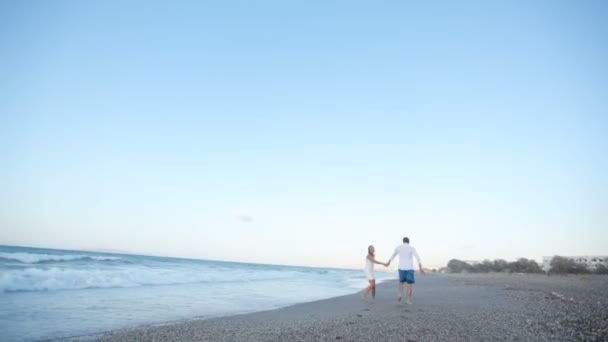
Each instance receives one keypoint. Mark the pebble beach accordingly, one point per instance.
(446, 307)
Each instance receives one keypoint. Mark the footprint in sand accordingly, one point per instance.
(358, 315)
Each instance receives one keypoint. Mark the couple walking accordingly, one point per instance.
(406, 269)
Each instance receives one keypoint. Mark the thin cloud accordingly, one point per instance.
(244, 218)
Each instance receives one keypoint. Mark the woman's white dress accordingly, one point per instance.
(369, 269)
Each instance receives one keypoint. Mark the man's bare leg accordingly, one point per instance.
(409, 293)
(400, 291)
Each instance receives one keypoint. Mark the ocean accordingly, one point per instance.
(47, 294)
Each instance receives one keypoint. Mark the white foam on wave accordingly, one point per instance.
(56, 278)
(31, 272)
(358, 279)
(33, 258)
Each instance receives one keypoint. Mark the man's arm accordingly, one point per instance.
(419, 262)
(394, 255)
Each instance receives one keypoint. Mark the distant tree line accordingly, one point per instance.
(522, 265)
(559, 265)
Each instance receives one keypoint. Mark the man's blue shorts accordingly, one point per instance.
(406, 276)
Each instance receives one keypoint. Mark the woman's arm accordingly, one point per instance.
(372, 259)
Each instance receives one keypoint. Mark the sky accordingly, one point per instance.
(300, 132)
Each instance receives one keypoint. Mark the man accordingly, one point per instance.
(406, 267)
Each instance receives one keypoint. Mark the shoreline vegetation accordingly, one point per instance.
(447, 307)
(559, 265)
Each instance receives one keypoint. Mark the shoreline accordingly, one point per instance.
(446, 307)
(95, 335)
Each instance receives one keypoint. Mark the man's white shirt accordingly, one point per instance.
(406, 256)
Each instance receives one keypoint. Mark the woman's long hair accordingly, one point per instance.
(369, 250)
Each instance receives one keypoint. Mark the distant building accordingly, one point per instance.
(590, 261)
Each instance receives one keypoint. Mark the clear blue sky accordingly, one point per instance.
(300, 132)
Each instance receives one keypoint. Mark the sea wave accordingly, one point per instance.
(33, 279)
(34, 258)
(33, 272)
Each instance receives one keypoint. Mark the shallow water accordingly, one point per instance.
(58, 293)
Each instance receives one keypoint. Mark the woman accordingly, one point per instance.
(370, 260)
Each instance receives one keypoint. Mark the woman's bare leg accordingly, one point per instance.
(373, 285)
(367, 290)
